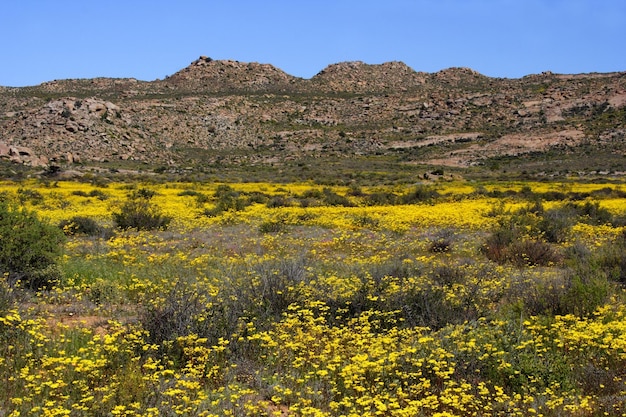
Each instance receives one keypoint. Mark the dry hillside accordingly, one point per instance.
(224, 113)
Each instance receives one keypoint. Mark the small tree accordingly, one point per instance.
(29, 247)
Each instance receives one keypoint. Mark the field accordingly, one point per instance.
(261, 299)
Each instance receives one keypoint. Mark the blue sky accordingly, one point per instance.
(43, 40)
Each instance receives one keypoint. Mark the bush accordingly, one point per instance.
(279, 201)
(556, 224)
(592, 213)
(312, 193)
(419, 194)
(100, 195)
(34, 197)
(611, 259)
(274, 288)
(355, 191)
(140, 213)
(497, 244)
(507, 245)
(448, 275)
(79, 225)
(331, 198)
(182, 312)
(429, 306)
(381, 199)
(366, 221)
(29, 248)
(200, 197)
(538, 295)
(532, 253)
(272, 226)
(588, 289)
(441, 242)
(227, 199)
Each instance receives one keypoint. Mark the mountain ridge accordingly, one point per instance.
(207, 59)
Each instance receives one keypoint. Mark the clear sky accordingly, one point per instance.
(43, 40)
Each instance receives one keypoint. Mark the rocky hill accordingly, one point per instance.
(227, 113)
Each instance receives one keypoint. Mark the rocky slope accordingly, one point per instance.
(232, 112)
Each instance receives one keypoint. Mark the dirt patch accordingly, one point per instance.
(618, 100)
(97, 324)
(70, 316)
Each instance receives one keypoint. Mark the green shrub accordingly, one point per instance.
(441, 242)
(556, 224)
(591, 212)
(538, 295)
(256, 197)
(497, 244)
(34, 197)
(191, 193)
(381, 199)
(272, 226)
(312, 193)
(144, 193)
(229, 200)
(279, 201)
(448, 275)
(212, 212)
(331, 198)
(274, 287)
(200, 197)
(507, 244)
(182, 312)
(140, 213)
(588, 289)
(103, 291)
(355, 191)
(366, 221)
(611, 258)
(100, 195)
(430, 307)
(188, 307)
(530, 252)
(29, 247)
(310, 202)
(80, 225)
(419, 194)
(310, 198)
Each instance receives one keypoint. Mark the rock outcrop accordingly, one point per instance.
(69, 130)
(21, 155)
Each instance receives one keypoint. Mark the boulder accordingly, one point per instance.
(97, 107)
(20, 151)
